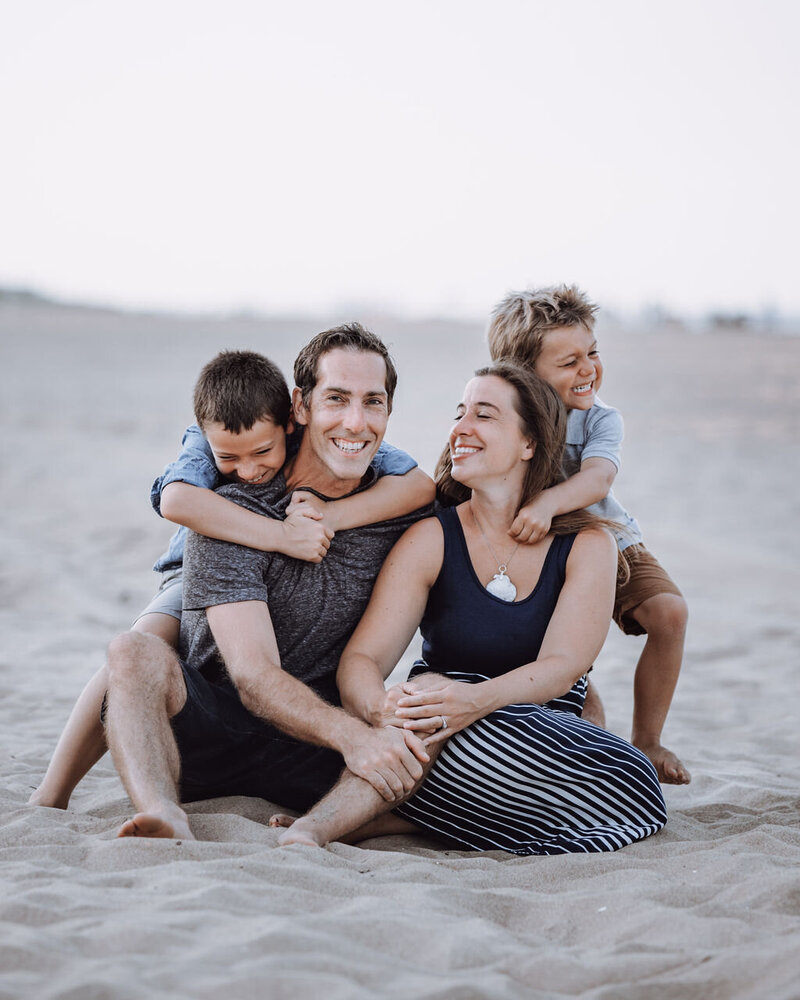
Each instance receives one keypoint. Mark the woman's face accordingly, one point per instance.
(487, 441)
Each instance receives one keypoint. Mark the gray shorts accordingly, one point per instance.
(169, 599)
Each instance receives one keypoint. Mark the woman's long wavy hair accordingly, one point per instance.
(544, 421)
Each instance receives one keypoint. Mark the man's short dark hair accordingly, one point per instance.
(239, 388)
(350, 337)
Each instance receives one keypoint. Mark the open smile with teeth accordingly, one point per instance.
(349, 447)
(252, 482)
(581, 390)
(462, 450)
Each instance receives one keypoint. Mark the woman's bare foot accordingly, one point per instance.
(151, 825)
(669, 767)
(281, 820)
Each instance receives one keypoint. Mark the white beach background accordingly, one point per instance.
(92, 405)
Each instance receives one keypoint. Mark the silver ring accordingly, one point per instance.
(444, 722)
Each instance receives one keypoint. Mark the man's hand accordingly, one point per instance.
(305, 534)
(389, 759)
(533, 522)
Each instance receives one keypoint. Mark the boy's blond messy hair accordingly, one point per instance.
(519, 322)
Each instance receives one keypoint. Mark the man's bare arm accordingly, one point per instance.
(246, 640)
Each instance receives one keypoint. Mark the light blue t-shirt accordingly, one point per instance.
(598, 433)
(195, 465)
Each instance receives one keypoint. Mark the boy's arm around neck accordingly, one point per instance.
(303, 535)
(390, 497)
(589, 485)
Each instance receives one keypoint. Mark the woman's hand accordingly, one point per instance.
(440, 705)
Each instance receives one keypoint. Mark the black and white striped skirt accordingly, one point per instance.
(533, 779)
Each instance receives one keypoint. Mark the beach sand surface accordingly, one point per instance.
(93, 404)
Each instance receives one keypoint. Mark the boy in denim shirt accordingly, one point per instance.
(244, 433)
(551, 331)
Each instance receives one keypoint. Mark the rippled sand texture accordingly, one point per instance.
(93, 404)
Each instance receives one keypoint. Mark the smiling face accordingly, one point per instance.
(345, 420)
(487, 441)
(253, 456)
(569, 361)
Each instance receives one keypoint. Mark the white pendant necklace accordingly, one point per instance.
(499, 585)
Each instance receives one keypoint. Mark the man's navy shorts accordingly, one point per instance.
(225, 750)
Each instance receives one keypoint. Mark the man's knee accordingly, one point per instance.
(666, 614)
(142, 662)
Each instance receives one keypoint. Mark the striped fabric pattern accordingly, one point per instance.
(533, 779)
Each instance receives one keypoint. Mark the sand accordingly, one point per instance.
(92, 405)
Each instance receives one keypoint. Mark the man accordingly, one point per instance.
(252, 706)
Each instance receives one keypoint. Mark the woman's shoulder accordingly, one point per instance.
(419, 552)
(594, 542)
(426, 531)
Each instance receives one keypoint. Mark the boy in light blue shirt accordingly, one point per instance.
(550, 330)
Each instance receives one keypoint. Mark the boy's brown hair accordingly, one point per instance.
(520, 321)
(239, 388)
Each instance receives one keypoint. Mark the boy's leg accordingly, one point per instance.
(593, 710)
(663, 617)
(83, 742)
(146, 688)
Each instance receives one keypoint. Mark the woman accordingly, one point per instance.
(510, 631)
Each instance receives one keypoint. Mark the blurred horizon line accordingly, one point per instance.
(768, 319)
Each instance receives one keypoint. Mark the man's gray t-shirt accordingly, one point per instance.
(314, 607)
(597, 433)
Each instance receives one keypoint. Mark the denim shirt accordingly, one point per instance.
(195, 465)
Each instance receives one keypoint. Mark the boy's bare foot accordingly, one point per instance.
(151, 825)
(593, 710)
(669, 767)
(40, 798)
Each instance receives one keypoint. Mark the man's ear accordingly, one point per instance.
(298, 407)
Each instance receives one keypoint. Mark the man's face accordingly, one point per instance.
(346, 419)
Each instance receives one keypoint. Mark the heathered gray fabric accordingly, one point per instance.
(314, 607)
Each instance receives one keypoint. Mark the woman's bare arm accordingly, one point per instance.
(391, 619)
(573, 639)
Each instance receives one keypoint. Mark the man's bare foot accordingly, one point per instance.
(150, 825)
(593, 710)
(299, 833)
(669, 767)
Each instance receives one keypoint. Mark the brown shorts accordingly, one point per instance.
(648, 578)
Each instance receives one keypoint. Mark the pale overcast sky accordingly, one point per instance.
(423, 156)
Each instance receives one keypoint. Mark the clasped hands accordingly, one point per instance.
(432, 706)
(391, 754)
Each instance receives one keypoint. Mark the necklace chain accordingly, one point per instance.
(502, 567)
